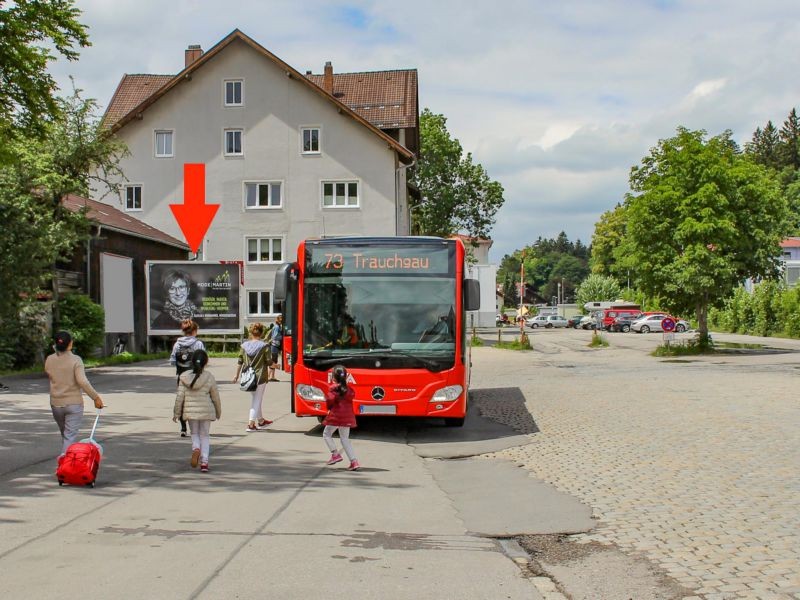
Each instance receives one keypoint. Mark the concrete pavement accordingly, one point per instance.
(270, 518)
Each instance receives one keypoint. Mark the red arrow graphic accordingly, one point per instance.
(194, 216)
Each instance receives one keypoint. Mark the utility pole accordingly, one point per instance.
(521, 291)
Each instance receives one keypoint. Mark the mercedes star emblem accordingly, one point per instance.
(378, 393)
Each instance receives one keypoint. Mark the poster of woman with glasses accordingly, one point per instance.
(207, 293)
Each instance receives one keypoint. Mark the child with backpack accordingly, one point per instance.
(198, 403)
(181, 357)
(341, 416)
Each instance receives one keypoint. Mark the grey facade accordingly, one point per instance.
(272, 193)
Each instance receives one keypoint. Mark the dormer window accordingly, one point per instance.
(234, 92)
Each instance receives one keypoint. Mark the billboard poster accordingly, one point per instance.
(205, 292)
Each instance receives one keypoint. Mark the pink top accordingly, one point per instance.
(341, 412)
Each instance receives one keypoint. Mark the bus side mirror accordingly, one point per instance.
(281, 289)
(472, 294)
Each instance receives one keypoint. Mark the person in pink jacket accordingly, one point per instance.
(340, 416)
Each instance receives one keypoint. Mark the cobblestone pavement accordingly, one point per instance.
(691, 463)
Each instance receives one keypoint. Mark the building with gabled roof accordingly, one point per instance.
(287, 155)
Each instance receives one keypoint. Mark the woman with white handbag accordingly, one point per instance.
(251, 374)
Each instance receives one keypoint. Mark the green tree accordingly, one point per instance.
(29, 31)
(74, 152)
(457, 194)
(609, 232)
(511, 298)
(789, 145)
(701, 219)
(597, 288)
(764, 146)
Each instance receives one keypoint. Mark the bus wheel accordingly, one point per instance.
(454, 422)
(320, 419)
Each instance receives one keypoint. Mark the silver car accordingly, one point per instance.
(649, 323)
(537, 321)
(555, 321)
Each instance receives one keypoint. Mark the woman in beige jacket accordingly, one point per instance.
(68, 383)
(198, 403)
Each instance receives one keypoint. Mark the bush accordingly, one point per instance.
(85, 320)
(23, 340)
(770, 309)
(766, 301)
(790, 312)
(598, 341)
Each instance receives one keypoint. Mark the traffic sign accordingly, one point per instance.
(667, 324)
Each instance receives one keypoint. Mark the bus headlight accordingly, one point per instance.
(310, 393)
(447, 394)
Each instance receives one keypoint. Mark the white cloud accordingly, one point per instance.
(556, 100)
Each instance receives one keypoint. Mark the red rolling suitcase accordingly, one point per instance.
(81, 461)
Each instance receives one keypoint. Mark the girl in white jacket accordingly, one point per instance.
(198, 402)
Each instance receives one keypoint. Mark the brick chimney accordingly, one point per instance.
(327, 78)
(193, 52)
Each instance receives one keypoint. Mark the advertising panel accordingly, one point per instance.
(205, 292)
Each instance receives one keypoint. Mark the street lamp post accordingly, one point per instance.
(558, 301)
(521, 291)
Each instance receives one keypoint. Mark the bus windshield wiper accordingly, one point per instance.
(431, 365)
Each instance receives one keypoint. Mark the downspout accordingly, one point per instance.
(397, 197)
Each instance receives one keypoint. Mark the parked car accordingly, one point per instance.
(588, 322)
(556, 321)
(622, 324)
(537, 321)
(574, 321)
(649, 323)
(610, 314)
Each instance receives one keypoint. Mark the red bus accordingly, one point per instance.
(392, 310)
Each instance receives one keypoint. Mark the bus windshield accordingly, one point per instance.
(388, 313)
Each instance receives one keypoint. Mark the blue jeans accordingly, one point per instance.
(68, 418)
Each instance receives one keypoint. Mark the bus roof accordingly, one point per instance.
(356, 239)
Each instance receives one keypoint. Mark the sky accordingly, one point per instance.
(557, 100)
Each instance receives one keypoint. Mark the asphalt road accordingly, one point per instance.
(676, 478)
(270, 519)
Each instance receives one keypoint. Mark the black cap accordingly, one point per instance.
(62, 340)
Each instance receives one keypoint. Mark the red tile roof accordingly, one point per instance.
(387, 99)
(792, 242)
(132, 91)
(108, 216)
(143, 90)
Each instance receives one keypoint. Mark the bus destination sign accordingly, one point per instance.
(387, 260)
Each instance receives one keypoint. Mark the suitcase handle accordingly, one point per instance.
(94, 427)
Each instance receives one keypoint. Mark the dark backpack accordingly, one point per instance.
(183, 359)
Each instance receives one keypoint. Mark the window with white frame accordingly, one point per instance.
(234, 92)
(310, 140)
(264, 250)
(164, 144)
(260, 303)
(338, 194)
(233, 142)
(263, 194)
(133, 197)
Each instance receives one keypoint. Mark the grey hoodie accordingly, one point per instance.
(186, 341)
